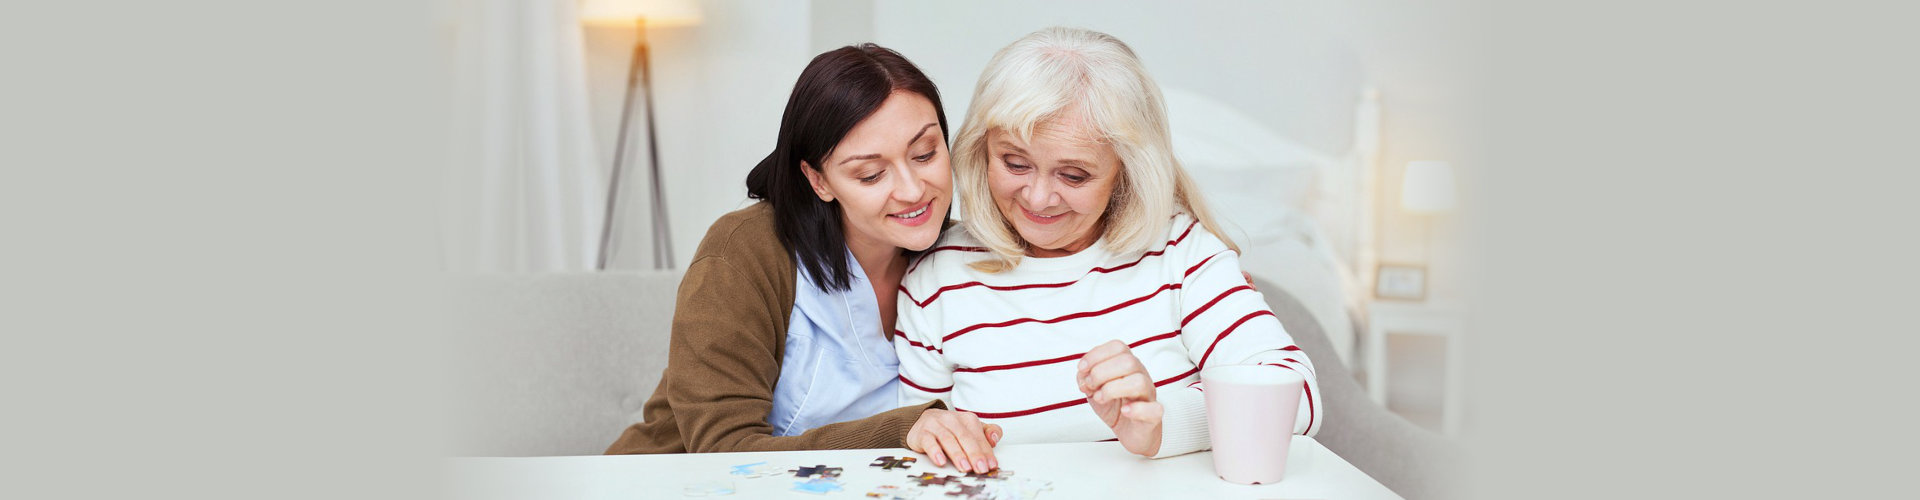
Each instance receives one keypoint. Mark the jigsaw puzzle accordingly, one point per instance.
(817, 470)
(891, 463)
(992, 474)
(968, 491)
(894, 492)
(929, 479)
(817, 486)
(755, 470)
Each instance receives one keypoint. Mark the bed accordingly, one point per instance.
(1302, 217)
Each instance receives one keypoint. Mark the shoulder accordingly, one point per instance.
(1187, 236)
(745, 241)
(945, 261)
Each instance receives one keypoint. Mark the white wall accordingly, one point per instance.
(721, 85)
(719, 89)
(1281, 62)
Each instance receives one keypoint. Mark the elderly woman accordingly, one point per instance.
(1088, 284)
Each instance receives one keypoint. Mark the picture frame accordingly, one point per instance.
(1400, 282)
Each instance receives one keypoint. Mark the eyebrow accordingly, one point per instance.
(876, 156)
(1082, 164)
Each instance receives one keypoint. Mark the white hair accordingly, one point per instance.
(1055, 71)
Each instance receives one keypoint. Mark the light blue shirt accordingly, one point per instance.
(838, 365)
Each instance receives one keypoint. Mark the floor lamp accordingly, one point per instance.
(640, 78)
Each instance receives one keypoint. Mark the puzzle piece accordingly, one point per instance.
(992, 474)
(928, 479)
(894, 492)
(817, 486)
(891, 463)
(817, 470)
(968, 491)
(756, 469)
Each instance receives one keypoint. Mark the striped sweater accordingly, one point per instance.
(1005, 346)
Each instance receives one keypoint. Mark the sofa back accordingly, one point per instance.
(554, 364)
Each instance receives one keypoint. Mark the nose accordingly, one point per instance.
(1038, 193)
(908, 187)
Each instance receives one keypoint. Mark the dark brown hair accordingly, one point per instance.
(837, 90)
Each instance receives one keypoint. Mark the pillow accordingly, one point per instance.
(1250, 176)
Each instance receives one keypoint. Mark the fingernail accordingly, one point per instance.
(938, 459)
(980, 465)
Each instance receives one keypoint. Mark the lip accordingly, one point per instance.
(922, 219)
(1037, 219)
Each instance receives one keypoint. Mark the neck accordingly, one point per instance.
(877, 259)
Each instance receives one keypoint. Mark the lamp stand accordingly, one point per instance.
(639, 75)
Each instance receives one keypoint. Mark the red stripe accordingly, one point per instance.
(1078, 315)
(1097, 270)
(903, 336)
(1210, 303)
(1025, 364)
(1203, 262)
(1066, 404)
(903, 380)
(930, 251)
(1309, 390)
(1230, 328)
(1302, 364)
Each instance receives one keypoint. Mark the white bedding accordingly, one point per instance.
(1279, 200)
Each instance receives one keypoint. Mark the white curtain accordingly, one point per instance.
(525, 192)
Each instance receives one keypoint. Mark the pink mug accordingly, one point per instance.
(1250, 413)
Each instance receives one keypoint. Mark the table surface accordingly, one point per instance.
(1076, 470)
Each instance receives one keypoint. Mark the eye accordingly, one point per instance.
(1073, 178)
(925, 157)
(1014, 167)
(872, 178)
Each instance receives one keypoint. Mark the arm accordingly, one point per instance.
(724, 359)
(925, 373)
(926, 376)
(1227, 322)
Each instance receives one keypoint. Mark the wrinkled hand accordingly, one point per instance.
(1122, 394)
(943, 433)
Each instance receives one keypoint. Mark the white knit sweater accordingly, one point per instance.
(1006, 346)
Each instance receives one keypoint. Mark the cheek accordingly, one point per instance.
(1002, 186)
(939, 175)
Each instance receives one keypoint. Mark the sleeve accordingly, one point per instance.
(1224, 321)
(925, 373)
(723, 361)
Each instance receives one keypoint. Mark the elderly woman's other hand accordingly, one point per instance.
(1122, 394)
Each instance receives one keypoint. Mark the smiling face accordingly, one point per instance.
(890, 175)
(1055, 189)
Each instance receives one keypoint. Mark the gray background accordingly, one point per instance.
(218, 279)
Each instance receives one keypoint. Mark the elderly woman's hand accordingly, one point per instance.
(960, 435)
(1122, 394)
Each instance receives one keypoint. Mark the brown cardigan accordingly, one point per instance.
(729, 335)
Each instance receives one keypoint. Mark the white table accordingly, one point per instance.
(1077, 470)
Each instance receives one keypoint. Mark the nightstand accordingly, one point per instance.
(1443, 319)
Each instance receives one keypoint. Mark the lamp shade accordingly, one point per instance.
(624, 12)
(1427, 187)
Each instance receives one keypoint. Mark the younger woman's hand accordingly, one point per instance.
(955, 436)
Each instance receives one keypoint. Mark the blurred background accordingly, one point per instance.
(605, 136)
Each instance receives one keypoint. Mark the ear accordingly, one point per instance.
(819, 184)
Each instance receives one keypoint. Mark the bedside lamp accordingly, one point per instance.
(1427, 187)
(640, 14)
